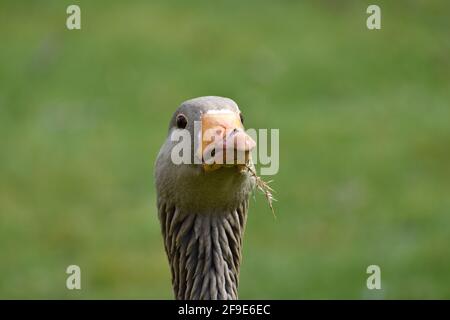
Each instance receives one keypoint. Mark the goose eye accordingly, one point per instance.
(242, 118)
(181, 121)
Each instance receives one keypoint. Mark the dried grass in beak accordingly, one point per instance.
(263, 186)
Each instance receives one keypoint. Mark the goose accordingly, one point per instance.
(203, 203)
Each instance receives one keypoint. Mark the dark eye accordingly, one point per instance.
(242, 118)
(181, 121)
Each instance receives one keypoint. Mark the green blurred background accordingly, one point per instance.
(364, 119)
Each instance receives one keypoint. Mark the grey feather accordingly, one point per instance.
(204, 254)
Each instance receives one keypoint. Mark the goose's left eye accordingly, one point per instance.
(181, 121)
(242, 118)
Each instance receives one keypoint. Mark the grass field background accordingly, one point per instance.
(364, 119)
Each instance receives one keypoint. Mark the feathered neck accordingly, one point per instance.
(204, 250)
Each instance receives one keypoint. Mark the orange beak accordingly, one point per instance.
(223, 141)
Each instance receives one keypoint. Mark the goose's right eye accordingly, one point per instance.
(181, 121)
